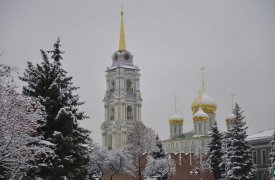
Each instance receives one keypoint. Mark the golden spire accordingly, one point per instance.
(202, 76)
(175, 105)
(122, 45)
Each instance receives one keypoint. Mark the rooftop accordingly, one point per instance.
(268, 133)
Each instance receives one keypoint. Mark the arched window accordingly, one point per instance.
(112, 113)
(200, 128)
(129, 85)
(112, 86)
(109, 142)
(129, 113)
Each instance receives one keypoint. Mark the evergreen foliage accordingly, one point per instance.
(215, 151)
(272, 157)
(239, 161)
(158, 151)
(159, 165)
(49, 83)
(20, 118)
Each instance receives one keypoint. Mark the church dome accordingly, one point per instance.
(206, 102)
(176, 119)
(229, 119)
(200, 116)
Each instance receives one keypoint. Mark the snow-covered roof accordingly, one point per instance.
(123, 66)
(200, 113)
(261, 134)
(176, 116)
(205, 99)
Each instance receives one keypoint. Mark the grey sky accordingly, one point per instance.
(170, 40)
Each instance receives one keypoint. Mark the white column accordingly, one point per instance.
(107, 85)
(114, 140)
(116, 112)
(123, 112)
(140, 115)
(106, 113)
(104, 144)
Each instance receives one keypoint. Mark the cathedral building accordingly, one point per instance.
(122, 100)
(204, 116)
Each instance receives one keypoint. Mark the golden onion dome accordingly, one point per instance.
(200, 116)
(204, 101)
(176, 119)
(230, 118)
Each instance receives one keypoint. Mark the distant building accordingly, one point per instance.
(262, 147)
(204, 116)
(122, 100)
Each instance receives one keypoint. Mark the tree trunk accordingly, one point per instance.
(139, 168)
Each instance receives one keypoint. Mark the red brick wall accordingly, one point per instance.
(182, 171)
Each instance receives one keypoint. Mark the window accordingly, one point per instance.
(263, 152)
(112, 113)
(129, 113)
(126, 56)
(112, 87)
(129, 86)
(254, 154)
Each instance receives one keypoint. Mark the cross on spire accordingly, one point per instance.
(175, 103)
(202, 76)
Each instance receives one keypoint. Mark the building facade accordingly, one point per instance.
(122, 100)
(260, 142)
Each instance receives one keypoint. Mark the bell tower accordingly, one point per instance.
(122, 100)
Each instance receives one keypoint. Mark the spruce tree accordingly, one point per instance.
(215, 151)
(272, 157)
(239, 162)
(158, 151)
(159, 165)
(49, 82)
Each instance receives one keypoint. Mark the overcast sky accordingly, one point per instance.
(170, 41)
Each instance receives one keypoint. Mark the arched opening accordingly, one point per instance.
(109, 141)
(112, 86)
(129, 85)
(129, 113)
(112, 113)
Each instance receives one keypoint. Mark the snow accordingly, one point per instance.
(55, 133)
(261, 134)
(176, 117)
(46, 143)
(230, 116)
(200, 113)
(124, 66)
(207, 100)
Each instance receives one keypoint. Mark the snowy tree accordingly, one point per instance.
(272, 156)
(239, 160)
(49, 83)
(215, 151)
(140, 140)
(97, 161)
(118, 161)
(159, 165)
(20, 119)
